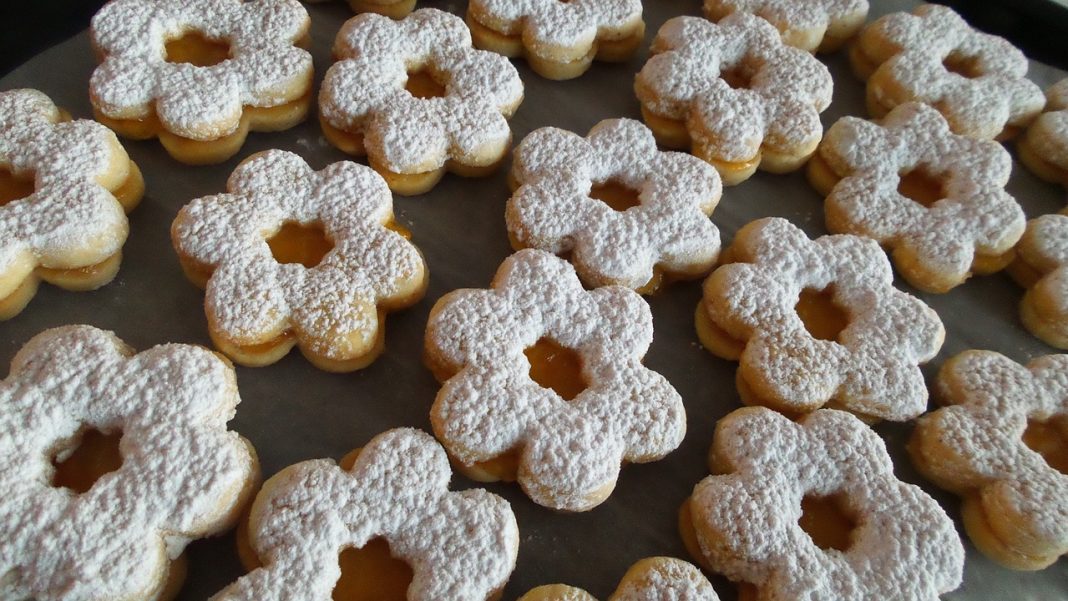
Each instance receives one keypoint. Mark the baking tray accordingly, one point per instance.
(292, 411)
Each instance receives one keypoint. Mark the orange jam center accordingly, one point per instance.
(739, 76)
(195, 49)
(921, 186)
(826, 521)
(556, 367)
(371, 573)
(616, 195)
(296, 243)
(822, 316)
(96, 454)
(12, 187)
(962, 64)
(422, 84)
(1050, 441)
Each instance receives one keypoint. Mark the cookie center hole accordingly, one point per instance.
(823, 317)
(195, 49)
(618, 196)
(962, 64)
(371, 573)
(298, 243)
(1049, 441)
(79, 468)
(14, 187)
(422, 84)
(922, 186)
(740, 76)
(827, 521)
(556, 367)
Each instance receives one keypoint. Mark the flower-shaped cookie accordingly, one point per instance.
(459, 545)
(977, 80)
(509, 358)
(291, 256)
(1044, 148)
(64, 189)
(558, 39)
(734, 94)
(199, 74)
(822, 25)
(818, 322)
(396, 9)
(1001, 443)
(112, 530)
(934, 199)
(812, 510)
(649, 579)
(1041, 266)
(417, 99)
(566, 201)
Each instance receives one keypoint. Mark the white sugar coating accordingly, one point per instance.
(779, 108)
(569, 449)
(265, 68)
(981, 106)
(70, 216)
(252, 296)
(990, 399)
(665, 579)
(795, 15)
(1049, 133)
(459, 545)
(1044, 247)
(871, 368)
(552, 209)
(182, 475)
(364, 91)
(549, 27)
(904, 546)
(975, 215)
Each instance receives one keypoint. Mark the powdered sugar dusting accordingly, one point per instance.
(70, 220)
(568, 450)
(265, 68)
(664, 579)
(550, 27)
(976, 215)
(991, 398)
(794, 16)
(460, 545)
(552, 209)
(872, 366)
(1049, 133)
(979, 106)
(779, 108)
(182, 473)
(330, 307)
(903, 547)
(364, 92)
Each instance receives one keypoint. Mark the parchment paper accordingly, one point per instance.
(292, 411)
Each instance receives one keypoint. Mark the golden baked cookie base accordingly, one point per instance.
(675, 134)
(1039, 311)
(207, 152)
(1038, 164)
(561, 66)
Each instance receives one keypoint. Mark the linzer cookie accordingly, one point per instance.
(812, 510)
(1041, 266)
(111, 463)
(624, 212)
(199, 74)
(560, 40)
(976, 80)
(396, 9)
(649, 579)
(820, 25)
(65, 187)
(417, 99)
(543, 382)
(291, 256)
(1044, 148)
(734, 95)
(935, 200)
(387, 508)
(818, 323)
(1001, 443)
